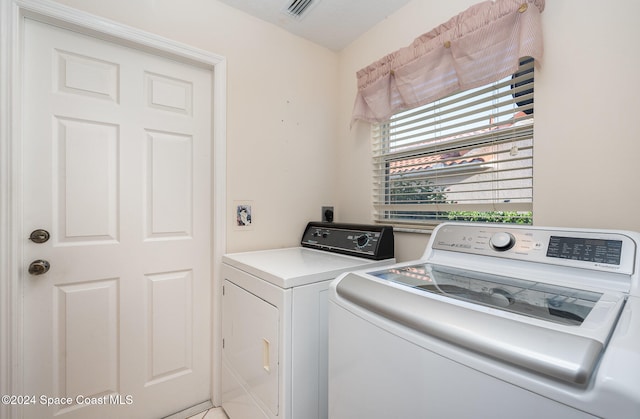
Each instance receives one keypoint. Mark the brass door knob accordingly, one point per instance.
(39, 267)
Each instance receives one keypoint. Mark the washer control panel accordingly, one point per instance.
(368, 241)
(596, 249)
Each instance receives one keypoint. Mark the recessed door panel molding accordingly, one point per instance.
(169, 195)
(86, 166)
(87, 76)
(170, 325)
(86, 339)
(169, 93)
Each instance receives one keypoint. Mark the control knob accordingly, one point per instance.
(362, 240)
(502, 241)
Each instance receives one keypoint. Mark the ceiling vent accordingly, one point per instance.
(297, 8)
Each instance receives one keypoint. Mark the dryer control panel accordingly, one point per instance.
(361, 240)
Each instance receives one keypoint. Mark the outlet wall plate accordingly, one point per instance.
(323, 215)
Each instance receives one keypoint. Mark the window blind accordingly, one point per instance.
(468, 157)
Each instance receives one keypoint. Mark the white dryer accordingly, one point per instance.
(274, 319)
(493, 322)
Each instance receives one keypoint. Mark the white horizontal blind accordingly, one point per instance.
(467, 157)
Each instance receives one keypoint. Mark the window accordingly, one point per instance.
(466, 157)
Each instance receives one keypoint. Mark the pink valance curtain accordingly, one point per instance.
(480, 45)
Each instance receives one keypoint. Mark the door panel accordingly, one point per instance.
(86, 349)
(116, 166)
(168, 187)
(169, 94)
(85, 165)
(169, 329)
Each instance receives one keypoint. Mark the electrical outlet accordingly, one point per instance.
(327, 214)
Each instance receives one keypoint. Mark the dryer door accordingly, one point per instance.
(250, 346)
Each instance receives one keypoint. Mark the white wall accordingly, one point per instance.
(281, 92)
(587, 132)
(587, 95)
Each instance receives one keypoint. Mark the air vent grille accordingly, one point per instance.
(297, 8)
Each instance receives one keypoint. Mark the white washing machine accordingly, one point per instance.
(493, 322)
(274, 319)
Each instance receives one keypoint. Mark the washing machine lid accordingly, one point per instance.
(544, 301)
(295, 266)
(465, 308)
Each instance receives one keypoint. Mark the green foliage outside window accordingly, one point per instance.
(423, 191)
(512, 217)
(414, 191)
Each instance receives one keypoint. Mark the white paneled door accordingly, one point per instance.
(116, 168)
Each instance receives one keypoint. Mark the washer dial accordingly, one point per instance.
(502, 241)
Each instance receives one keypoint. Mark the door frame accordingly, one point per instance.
(12, 15)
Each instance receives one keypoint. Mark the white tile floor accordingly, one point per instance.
(213, 413)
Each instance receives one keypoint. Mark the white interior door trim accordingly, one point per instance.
(12, 15)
